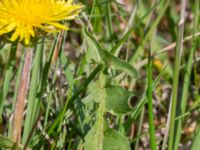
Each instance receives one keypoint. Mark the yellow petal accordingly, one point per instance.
(58, 25)
(11, 27)
(15, 35)
(27, 38)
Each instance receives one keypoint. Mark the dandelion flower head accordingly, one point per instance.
(24, 18)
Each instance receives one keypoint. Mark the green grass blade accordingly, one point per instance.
(178, 51)
(74, 97)
(139, 50)
(150, 104)
(196, 143)
(8, 76)
(32, 102)
(10, 126)
(133, 27)
(109, 24)
(186, 81)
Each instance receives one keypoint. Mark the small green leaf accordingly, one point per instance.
(93, 47)
(92, 139)
(117, 102)
(119, 64)
(112, 140)
(8, 143)
(109, 59)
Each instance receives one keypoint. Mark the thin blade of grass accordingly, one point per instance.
(139, 50)
(186, 82)
(128, 33)
(28, 124)
(176, 74)
(8, 76)
(150, 104)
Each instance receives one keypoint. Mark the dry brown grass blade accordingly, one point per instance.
(58, 46)
(21, 96)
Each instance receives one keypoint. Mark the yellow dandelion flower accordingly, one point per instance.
(24, 18)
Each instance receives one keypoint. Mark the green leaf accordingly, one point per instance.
(109, 59)
(93, 49)
(119, 64)
(196, 143)
(34, 84)
(117, 102)
(92, 141)
(8, 143)
(112, 140)
(8, 76)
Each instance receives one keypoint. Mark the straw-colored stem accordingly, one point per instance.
(21, 96)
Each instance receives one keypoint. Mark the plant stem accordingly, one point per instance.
(165, 138)
(141, 119)
(21, 96)
(17, 81)
(32, 101)
(150, 104)
(178, 51)
(100, 124)
(109, 24)
(186, 81)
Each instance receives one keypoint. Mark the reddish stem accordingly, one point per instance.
(21, 96)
